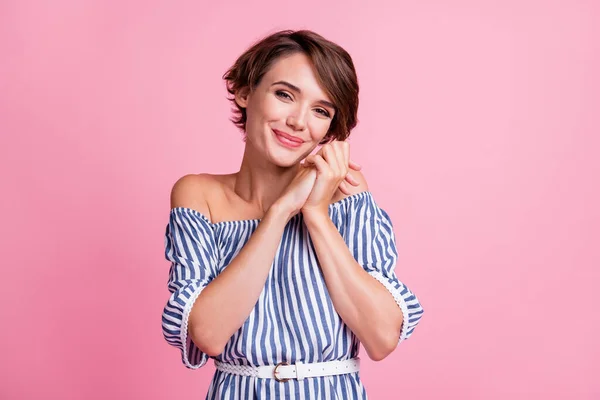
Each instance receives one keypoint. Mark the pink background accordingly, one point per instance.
(479, 134)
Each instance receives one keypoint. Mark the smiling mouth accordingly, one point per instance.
(287, 140)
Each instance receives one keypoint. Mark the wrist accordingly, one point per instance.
(278, 211)
(315, 216)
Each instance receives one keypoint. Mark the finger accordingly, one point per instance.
(320, 152)
(330, 157)
(352, 180)
(344, 188)
(320, 163)
(346, 152)
(310, 160)
(354, 166)
(341, 158)
(334, 159)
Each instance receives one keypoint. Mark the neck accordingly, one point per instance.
(259, 182)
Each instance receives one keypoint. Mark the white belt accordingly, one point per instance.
(284, 372)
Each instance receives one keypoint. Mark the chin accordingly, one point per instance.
(285, 159)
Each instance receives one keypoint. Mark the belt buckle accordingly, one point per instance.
(275, 372)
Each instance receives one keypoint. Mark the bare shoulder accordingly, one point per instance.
(193, 191)
(362, 187)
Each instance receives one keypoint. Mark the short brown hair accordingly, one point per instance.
(333, 66)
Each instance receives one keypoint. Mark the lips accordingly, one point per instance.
(287, 140)
(288, 136)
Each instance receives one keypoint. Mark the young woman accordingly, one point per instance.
(280, 271)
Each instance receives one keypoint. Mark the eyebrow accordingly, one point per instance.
(297, 89)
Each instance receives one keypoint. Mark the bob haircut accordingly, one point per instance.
(333, 67)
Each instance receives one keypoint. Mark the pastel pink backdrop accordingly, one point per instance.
(478, 134)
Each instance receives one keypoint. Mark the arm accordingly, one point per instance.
(225, 303)
(363, 303)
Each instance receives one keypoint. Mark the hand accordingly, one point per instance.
(332, 164)
(349, 178)
(296, 193)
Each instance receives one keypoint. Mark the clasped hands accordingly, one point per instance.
(332, 163)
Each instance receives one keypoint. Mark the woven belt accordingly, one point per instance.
(284, 372)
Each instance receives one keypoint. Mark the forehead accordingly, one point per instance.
(299, 71)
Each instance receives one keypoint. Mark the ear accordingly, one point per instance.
(241, 97)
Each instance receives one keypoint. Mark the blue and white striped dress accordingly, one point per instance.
(294, 318)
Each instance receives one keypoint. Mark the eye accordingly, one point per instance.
(323, 112)
(283, 95)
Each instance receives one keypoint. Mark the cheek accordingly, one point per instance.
(319, 128)
(259, 112)
(275, 110)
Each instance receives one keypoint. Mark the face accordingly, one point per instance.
(288, 113)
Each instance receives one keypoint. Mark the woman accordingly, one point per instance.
(279, 271)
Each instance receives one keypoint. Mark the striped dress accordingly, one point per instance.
(294, 318)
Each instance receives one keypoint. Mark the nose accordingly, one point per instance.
(297, 119)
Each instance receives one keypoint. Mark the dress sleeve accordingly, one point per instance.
(371, 239)
(190, 246)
